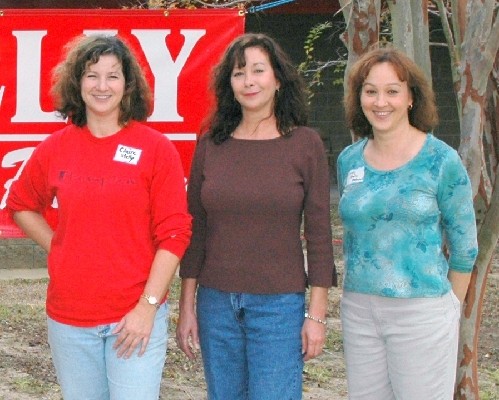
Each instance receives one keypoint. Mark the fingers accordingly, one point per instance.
(133, 333)
(188, 342)
(313, 339)
(145, 342)
(304, 344)
(312, 351)
(127, 343)
(188, 349)
(187, 334)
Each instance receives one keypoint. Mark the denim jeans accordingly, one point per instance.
(88, 369)
(251, 344)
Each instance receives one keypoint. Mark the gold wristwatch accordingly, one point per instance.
(153, 301)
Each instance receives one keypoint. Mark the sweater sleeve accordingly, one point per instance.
(317, 225)
(191, 264)
(455, 201)
(31, 191)
(171, 224)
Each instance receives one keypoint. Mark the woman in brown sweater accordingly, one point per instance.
(255, 173)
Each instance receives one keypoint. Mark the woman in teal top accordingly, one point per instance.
(405, 199)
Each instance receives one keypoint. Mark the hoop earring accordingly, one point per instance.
(410, 107)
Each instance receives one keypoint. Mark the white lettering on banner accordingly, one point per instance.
(11, 160)
(29, 46)
(2, 90)
(105, 32)
(165, 70)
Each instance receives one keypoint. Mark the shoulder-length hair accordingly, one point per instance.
(290, 104)
(423, 114)
(83, 51)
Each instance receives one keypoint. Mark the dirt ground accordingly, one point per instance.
(26, 370)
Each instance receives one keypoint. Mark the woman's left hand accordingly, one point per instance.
(134, 330)
(313, 337)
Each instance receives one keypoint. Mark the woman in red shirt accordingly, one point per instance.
(122, 225)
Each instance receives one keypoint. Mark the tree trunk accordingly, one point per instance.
(362, 31)
(410, 31)
(478, 52)
(362, 19)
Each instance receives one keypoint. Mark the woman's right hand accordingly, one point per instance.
(187, 333)
(187, 325)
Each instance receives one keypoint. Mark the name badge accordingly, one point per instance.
(128, 155)
(355, 176)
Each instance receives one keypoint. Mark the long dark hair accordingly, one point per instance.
(290, 106)
(82, 51)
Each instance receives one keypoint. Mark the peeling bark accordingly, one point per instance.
(476, 57)
(411, 32)
(362, 19)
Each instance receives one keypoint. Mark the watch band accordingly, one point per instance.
(151, 300)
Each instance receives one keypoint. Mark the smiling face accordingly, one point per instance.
(255, 84)
(102, 88)
(385, 99)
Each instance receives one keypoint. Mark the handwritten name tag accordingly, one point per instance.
(127, 154)
(355, 176)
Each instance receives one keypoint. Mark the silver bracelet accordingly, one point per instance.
(320, 321)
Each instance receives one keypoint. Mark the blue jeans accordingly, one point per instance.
(251, 344)
(88, 369)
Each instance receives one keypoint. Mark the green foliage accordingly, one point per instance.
(317, 373)
(311, 68)
(315, 33)
(489, 384)
(334, 341)
(31, 385)
(19, 312)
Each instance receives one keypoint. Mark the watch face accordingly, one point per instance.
(151, 299)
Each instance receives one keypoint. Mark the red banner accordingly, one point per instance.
(177, 48)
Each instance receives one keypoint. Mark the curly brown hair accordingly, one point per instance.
(136, 103)
(423, 114)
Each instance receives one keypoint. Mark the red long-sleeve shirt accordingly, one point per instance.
(120, 199)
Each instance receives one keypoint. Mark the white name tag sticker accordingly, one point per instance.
(127, 154)
(355, 176)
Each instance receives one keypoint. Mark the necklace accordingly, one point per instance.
(238, 132)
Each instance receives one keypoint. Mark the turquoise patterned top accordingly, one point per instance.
(395, 222)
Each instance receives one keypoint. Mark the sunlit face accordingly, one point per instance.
(102, 88)
(255, 84)
(385, 99)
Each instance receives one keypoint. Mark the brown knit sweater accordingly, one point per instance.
(247, 198)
